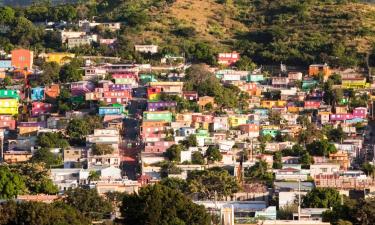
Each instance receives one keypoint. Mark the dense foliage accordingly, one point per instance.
(158, 204)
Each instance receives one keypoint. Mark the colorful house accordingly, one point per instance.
(5, 64)
(37, 93)
(237, 120)
(312, 104)
(173, 88)
(205, 100)
(360, 112)
(30, 128)
(153, 94)
(270, 130)
(59, 57)
(317, 69)
(146, 78)
(115, 109)
(160, 106)
(9, 106)
(255, 78)
(40, 108)
(81, 87)
(53, 91)
(157, 116)
(5, 93)
(355, 83)
(273, 103)
(340, 117)
(308, 84)
(228, 59)
(125, 78)
(22, 59)
(7, 122)
(190, 95)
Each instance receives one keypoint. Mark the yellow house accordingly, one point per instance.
(59, 57)
(237, 120)
(9, 106)
(273, 103)
(355, 83)
(293, 109)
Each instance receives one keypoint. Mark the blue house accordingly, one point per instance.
(111, 110)
(37, 93)
(5, 64)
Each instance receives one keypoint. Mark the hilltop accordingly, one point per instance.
(299, 32)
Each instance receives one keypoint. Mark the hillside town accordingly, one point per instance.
(250, 144)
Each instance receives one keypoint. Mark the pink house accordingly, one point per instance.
(7, 122)
(340, 117)
(360, 112)
(158, 146)
(311, 104)
(40, 108)
(202, 118)
(228, 59)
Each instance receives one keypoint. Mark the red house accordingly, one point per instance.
(40, 108)
(7, 122)
(228, 59)
(311, 104)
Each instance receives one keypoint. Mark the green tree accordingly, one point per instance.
(191, 141)
(321, 198)
(368, 169)
(336, 135)
(94, 176)
(89, 203)
(213, 154)
(11, 184)
(277, 163)
(45, 155)
(52, 140)
(50, 74)
(286, 212)
(321, 148)
(259, 172)
(37, 213)
(36, 177)
(245, 63)
(274, 118)
(212, 182)
(175, 184)
(101, 149)
(77, 130)
(197, 158)
(173, 153)
(158, 204)
(71, 72)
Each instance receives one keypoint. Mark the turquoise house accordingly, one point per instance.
(270, 131)
(308, 84)
(255, 78)
(37, 93)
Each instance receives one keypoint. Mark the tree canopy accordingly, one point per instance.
(321, 198)
(158, 204)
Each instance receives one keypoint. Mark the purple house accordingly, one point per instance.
(81, 88)
(119, 87)
(159, 106)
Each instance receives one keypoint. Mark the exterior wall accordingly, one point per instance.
(22, 58)
(316, 69)
(228, 58)
(9, 106)
(59, 58)
(37, 93)
(158, 115)
(146, 48)
(5, 64)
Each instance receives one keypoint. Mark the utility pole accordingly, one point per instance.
(299, 199)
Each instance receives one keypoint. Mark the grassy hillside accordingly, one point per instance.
(339, 32)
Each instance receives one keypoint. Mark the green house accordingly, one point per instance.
(158, 116)
(308, 84)
(255, 78)
(270, 131)
(4, 93)
(146, 78)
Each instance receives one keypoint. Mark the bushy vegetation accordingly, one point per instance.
(339, 32)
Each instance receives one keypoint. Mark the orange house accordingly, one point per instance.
(22, 59)
(315, 69)
(341, 158)
(52, 91)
